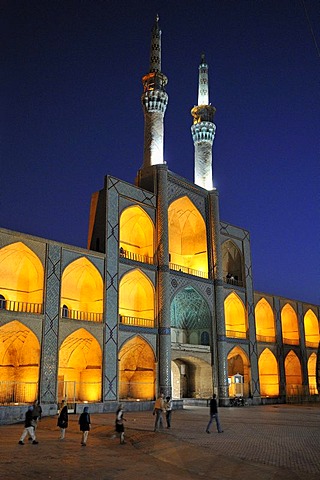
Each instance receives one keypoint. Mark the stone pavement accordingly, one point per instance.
(280, 442)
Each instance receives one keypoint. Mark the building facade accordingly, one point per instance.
(161, 300)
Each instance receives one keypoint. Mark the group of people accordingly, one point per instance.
(162, 406)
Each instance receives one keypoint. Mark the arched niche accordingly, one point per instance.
(19, 363)
(289, 325)
(312, 364)
(268, 374)
(136, 299)
(137, 370)
(136, 234)
(293, 373)
(265, 325)
(311, 329)
(21, 278)
(187, 238)
(235, 317)
(191, 377)
(82, 291)
(80, 367)
(232, 263)
(238, 363)
(190, 318)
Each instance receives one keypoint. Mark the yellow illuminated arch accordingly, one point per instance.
(82, 291)
(232, 260)
(187, 238)
(265, 327)
(137, 234)
(80, 362)
(137, 370)
(21, 278)
(268, 374)
(136, 299)
(235, 317)
(238, 363)
(312, 365)
(311, 329)
(293, 373)
(289, 323)
(19, 362)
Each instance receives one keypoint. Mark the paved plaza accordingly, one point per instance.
(280, 442)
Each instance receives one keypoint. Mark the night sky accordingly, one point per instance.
(71, 113)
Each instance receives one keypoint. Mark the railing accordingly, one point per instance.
(25, 307)
(136, 322)
(189, 271)
(137, 391)
(312, 344)
(266, 338)
(18, 392)
(136, 256)
(290, 341)
(235, 334)
(79, 392)
(233, 281)
(80, 315)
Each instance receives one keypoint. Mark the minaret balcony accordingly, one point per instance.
(155, 101)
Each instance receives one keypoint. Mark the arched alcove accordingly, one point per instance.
(137, 370)
(235, 317)
(312, 364)
(238, 363)
(136, 299)
(232, 263)
(187, 238)
(82, 291)
(289, 324)
(19, 363)
(293, 373)
(136, 235)
(268, 374)
(80, 367)
(311, 329)
(21, 278)
(265, 326)
(191, 377)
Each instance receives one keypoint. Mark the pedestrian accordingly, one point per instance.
(85, 425)
(168, 408)
(120, 424)
(37, 413)
(63, 419)
(157, 411)
(214, 414)
(28, 427)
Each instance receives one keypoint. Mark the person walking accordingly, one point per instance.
(214, 414)
(63, 419)
(85, 425)
(168, 408)
(28, 427)
(157, 411)
(120, 424)
(37, 413)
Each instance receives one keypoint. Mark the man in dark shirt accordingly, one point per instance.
(214, 414)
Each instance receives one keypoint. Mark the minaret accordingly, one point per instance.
(154, 100)
(203, 131)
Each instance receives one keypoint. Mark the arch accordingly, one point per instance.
(137, 370)
(312, 364)
(238, 363)
(187, 238)
(136, 234)
(136, 299)
(232, 263)
(82, 291)
(190, 316)
(19, 363)
(80, 367)
(289, 325)
(268, 374)
(235, 317)
(311, 329)
(293, 373)
(191, 377)
(265, 325)
(22, 278)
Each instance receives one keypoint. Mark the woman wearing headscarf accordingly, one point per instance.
(63, 419)
(85, 424)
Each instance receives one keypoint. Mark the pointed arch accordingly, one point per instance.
(235, 317)
(19, 363)
(265, 324)
(268, 374)
(293, 373)
(21, 278)
(137, 370)
(238, 363)
(187, 238)
(311, 329)
(82, 291)
(136, 299)
(136, 234)
(80, 367)
(289, 324)
(232, 263)
(312, 364)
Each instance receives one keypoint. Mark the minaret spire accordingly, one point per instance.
(203, 130)
(154, 101)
